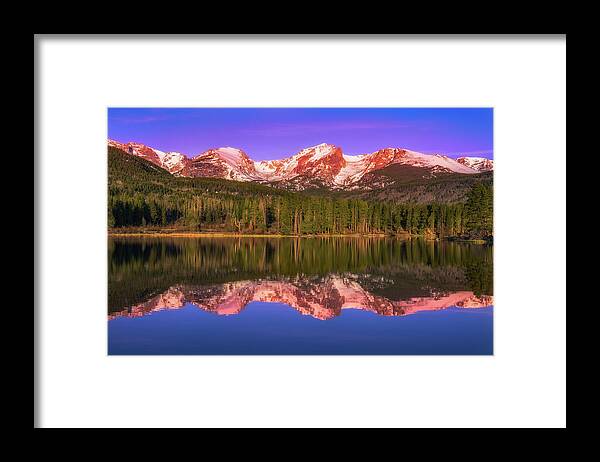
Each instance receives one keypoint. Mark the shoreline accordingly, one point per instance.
(196, 234)
(192, 234)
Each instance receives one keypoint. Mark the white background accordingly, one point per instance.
(523, 384)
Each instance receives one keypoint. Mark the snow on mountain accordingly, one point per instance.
(323, 164)
(267, 167)
(439, 161)
(388, 156)
(354, 169)
(481, 164)
(358, 166)
(228, 163)
(173, 162)
(137, 149)
(321, 161)
(231, 156)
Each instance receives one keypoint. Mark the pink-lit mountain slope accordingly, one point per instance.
(324, 165)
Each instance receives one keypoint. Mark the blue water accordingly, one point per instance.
(277, 329)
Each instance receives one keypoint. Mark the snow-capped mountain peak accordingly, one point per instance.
(173, 162)
(227, 162)
(321, 160)
(481, 164)
(228, 154)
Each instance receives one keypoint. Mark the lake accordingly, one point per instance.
(298, 296)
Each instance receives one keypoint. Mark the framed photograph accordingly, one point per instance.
(281, 228)
(370, 249)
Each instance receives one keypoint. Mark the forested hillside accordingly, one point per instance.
(402, 183)
(140, 194)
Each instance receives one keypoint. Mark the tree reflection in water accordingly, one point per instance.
(319, 277)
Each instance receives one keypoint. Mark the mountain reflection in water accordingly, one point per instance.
(321, 298)
(318, 277)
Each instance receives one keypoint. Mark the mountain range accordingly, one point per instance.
(321, 166)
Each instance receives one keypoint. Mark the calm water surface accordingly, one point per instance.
(384, 296)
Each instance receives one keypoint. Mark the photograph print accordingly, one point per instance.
(300, 231)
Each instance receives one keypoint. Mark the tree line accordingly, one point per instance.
(305, 215)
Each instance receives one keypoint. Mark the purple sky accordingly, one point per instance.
(275, 133)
